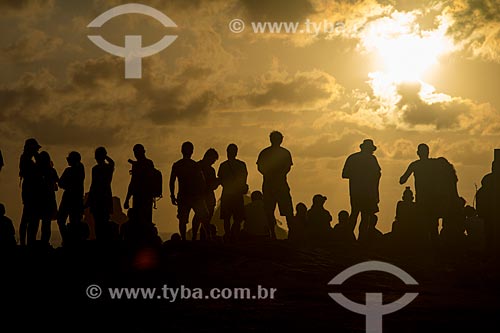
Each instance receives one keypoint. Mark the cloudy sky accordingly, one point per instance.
(399, 72)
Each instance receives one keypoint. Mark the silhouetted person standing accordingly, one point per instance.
(211, 184)
(31, 190)
(363, 171)
(274, 163)
(488, 206)
(71, 206)
(233, 177)
(48, 201)
(139, 188)
(192, 187)
(100, 198)
(7, 231)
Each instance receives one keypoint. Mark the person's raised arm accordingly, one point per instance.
(110, 161)
(173, 176)
(406, 175)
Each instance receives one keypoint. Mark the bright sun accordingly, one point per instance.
(404, 50)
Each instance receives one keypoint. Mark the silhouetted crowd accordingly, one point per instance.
(192, 186)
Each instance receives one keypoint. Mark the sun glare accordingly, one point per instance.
(404, 50)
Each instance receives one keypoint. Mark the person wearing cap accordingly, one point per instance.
(318, 220)
(274, 163)
(363, 171)
(31, 189)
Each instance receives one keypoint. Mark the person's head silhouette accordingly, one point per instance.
(343, 217)
(211, 156)
(44, 159)
(139, 152)
(423, 151)
(256, 195)
(408, 194)
(74, 158)
(301, 209)
(100, 155)
(31, 146)
(232, 151)
(319, 200)
(187, 149)
(276, 138)
(367, 146)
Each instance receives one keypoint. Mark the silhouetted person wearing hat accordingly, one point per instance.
(139, 188)
(211, 184)
(31, 190)
(363, 171)
(100, 198)
(318, 220)
(274, 163)
(48, 200)
(192, 188)
(71, 206)
(233, 177)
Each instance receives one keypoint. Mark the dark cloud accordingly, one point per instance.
(302, 90)
(278, 10)
(441, 115)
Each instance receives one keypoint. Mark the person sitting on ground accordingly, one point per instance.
(373, 235)
(7, 231)
(318, 220)
(342, 231)
(256, 225)
(297, 230)
(474, 226)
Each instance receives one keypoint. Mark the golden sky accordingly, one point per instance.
(399, 72)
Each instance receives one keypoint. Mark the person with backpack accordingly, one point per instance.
(192, 188)
(141, 186)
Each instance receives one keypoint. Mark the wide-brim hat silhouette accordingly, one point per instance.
(32, 143)
(368, 144)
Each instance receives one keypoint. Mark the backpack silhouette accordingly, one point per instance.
(156, 183)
